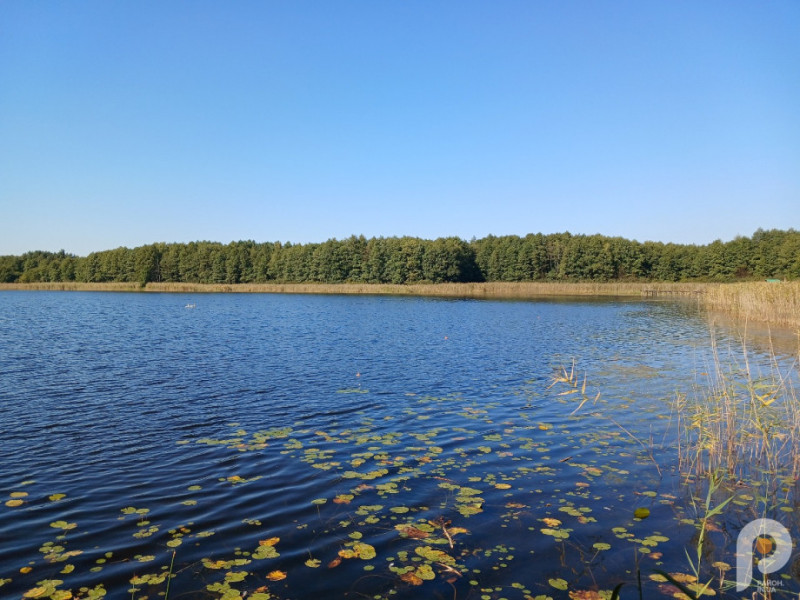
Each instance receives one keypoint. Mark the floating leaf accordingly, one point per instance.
(559, 584)
(364, 551)
(276, 575)
(411, 531)
(653, 540)
(434, 555)
(589, 595)
(269, 542)
(236, 576)
(601, 546)
(559, 534)
(641, 513)
(56, 497)
(13, 503)
(145, 558)
(313, 563)
(411, 578)
(264, 552)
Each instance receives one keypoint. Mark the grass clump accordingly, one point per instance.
(742, 426)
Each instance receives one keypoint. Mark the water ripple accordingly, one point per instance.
(124, 400)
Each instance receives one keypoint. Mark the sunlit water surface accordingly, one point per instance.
(333, 446)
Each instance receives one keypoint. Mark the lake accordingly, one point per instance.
(298, 446)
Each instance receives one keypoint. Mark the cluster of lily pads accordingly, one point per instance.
(452, 496)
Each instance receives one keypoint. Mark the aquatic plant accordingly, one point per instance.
(741, 425)
(410, 506)
(739, 436)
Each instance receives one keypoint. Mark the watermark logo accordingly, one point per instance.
(771, 541)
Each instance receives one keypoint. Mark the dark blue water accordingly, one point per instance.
(332, 423)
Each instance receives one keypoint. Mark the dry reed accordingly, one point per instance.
(742, 425)
(773, 303)
(777, 303)
(499, 290)
(73, 286)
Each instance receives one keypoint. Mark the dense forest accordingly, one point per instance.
(535, 257)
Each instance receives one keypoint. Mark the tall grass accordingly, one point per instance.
(777, 303)
(742, 425)
(739, 435)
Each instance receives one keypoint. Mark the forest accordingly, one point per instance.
(534, 257)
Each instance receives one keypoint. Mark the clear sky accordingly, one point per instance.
(130, 122)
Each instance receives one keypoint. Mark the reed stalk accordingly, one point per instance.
(741, 424)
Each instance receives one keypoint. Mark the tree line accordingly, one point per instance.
(534, 257)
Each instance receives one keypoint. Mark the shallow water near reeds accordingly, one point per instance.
(293, 446)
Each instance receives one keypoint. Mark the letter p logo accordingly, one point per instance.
(759, 531)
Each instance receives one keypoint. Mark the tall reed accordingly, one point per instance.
(741, 424)
(777, 303)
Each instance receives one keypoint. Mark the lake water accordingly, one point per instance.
(338, 446)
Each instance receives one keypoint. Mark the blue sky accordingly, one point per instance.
(126, 123)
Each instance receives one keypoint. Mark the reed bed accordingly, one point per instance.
(510, 290)
(74, 286)
(742, 426)
(500, 290)
(773, 303)
(777, 303)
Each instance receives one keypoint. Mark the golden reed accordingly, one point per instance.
(774, 303)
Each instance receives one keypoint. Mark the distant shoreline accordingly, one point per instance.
(500, 290)
(770, 303)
